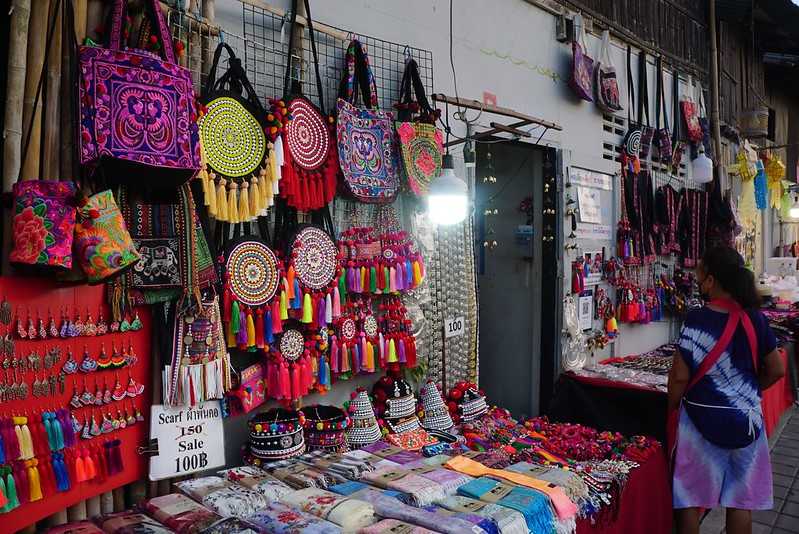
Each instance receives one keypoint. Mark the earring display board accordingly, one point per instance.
(31, 374)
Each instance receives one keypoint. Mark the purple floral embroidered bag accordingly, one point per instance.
(582, 64)
(137, 111)
(367, 150)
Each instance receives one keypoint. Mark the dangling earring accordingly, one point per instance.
(102, 326)
(136, 324)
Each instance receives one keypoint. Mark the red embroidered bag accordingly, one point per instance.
(691, 116)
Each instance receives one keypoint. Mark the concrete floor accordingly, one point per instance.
(784, 517)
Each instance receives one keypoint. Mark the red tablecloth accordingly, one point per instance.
(645, 505)
(777, 398)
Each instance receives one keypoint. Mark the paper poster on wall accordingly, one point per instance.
(186, 440)
(588, 178)
(598, 232)
(588, 201)
(585, 310)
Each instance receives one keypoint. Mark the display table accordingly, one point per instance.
(631, 409)
(645, 503)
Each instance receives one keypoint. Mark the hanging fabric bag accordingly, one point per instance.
(662, 137)
(690, 115)
(632, 139)
(366, 146)
(582, 65)
(647, 132)
(137, 111)
(607, 86)
(310, 169)
(420, 142)
(234, 144)
(704, 122)
(677, 143)
(103, 245)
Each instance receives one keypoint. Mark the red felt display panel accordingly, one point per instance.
(42, 298)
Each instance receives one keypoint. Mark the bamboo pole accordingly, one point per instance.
(52, 95)
(209, 14)
(68, 105)
(15, 91)
(119, 499)
(37, 36)
(715, 118)
(81, 11)
(94, 18)
(58, 518)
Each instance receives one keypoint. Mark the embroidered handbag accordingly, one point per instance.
(103, 245)
(662, 137)
(234, 144)
(582, 65)
(44, 223)
(420, 142)
(690, 115)
(311, 165)
(607, 86)
(137, 118)
(366, 147)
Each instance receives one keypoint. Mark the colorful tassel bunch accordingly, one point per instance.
(288, 381)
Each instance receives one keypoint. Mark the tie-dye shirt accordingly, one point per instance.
(731, 382)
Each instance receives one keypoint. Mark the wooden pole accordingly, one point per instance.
(715, 117)
(52, 94)
(209, 14)
(37, 37)
(68, 105)
(81, 12)
(94, 17)
(107, 502)
(15, 91)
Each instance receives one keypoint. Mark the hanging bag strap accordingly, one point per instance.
(676, 135)
(661, 97)
(235, 79)
(701, 111)
(358, 78)
(290, 89)
(630, 88)
(412, 85)
(643, 90)
(117, 21)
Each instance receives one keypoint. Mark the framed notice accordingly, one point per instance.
(588, 201)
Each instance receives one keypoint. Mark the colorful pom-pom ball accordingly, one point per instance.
(258, 427)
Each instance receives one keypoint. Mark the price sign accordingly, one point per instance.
(454, 327)
(187, 439)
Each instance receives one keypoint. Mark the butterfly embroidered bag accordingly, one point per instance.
(607, 86)
(366, 147)
(103, 245)
(137, 111)
(420, 142)
(582, 64)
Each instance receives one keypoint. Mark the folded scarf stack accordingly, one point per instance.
(479, 523)
(128, 522)
(257, 480)
(449, 480)
(231, 525)
(570, 481)
(533, 505)
(338, 464)
(349, 514)
(392, 525)
(235, 501)
(278, 518)
(420, 491)
(507, 520)
(198, 488)
(180, 513)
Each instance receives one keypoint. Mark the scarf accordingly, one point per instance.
(478, 522)
(507, 520)
(235, 501)
(564, 507)
(198, 488)
(570, 481)
(282, 519)
(350, 514)
(446, 478)
(534, 506)
(258, 480)
(419, 490)
(392, 525)
(180, 513)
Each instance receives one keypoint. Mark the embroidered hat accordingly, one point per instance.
(466, 402)
(325, 428)
(276, 434)
(394, 398)
(364, 429)
(436, 414)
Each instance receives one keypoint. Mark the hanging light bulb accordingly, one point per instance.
(794, 211)
(702, 167)
(447, 198)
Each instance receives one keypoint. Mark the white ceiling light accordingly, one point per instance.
(447, 198)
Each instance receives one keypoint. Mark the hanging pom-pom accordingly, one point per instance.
(221, 200)
(244, 202)
(307, 314)
(250, 331)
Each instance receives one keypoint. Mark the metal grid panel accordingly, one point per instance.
(266, 37)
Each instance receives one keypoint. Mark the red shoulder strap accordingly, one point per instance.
(720, 346)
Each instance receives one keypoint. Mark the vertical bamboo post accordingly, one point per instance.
(94, 18)
(58, 518)
(52, 95)
(195, 55)
(15, 92)
(119, 499)
(81, 11)
(68, 126)
(209, 14)
(37, 37)
(715, 117)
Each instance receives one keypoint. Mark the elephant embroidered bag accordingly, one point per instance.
(103, 245)
(420, 142)
(366, 148)
(137, 111)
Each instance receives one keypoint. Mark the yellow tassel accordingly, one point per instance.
(244, 202)
(363, 279)
(266, 186)
(307, 313)
(27, 439)
(392, 352)
(221, 200)
(230, 337)
(211, 196)
(255, 197)
(284, 308)
(417, 274)
(250, 331)
(370, 357)
(34, 481)
(232, 203)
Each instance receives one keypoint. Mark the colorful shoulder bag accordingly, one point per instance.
(582, 64)
(366, 147)
(677, 143)
(662, 137)
(137, 111)
(607, 86)
(691, 116)
(420, 142)
(311, 169)
(234, 143)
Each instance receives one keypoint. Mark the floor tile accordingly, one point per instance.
(767, 517)
(790, 508)
(790, 452)
(760, 528)
(782, 480)
(783, 469)
(781, 492)
(782, 531)
(788, 523)
(778, 504)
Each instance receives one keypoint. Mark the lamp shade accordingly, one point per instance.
(447, 198)
(702, 168)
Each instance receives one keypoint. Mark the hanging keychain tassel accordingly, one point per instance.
(260, 328)
(11, 490)
(290, 282)
(328, 309)
(255, 197)
(250, 331)
(307, 313)
(334, 353)
(392, 351)
(336, 311)
(244, 202)
(221, 199)
(233, 203)
(268, 334)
